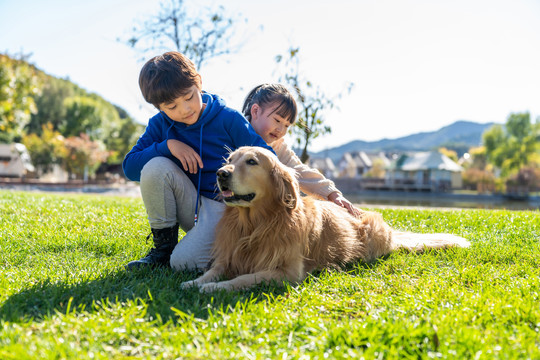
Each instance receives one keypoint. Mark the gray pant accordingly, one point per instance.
(170, 198)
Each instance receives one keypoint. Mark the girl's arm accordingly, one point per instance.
(311, 181)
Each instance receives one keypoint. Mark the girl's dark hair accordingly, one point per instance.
(267, 94)
(167, 77)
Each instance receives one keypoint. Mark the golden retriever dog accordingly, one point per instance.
(270, 232)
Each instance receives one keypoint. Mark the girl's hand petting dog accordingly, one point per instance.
(340, 200)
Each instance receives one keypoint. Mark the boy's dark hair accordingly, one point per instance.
(167, 77)
(266, 94)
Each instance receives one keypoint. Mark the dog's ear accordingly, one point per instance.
(287, 188)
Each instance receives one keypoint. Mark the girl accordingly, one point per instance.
(271, 110)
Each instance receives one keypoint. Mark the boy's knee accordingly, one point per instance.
(156, 168)
(184, 261)
(191, 252)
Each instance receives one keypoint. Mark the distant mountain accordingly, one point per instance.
(459, 136)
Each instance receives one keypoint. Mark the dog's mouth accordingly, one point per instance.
(230, 196)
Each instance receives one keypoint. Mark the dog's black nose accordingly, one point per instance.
(223, 174)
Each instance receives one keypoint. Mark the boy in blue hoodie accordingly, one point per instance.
(177, 157)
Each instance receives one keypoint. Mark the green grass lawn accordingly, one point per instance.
(65, 295)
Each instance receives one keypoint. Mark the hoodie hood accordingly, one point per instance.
(214, 105)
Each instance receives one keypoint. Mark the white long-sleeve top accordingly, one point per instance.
(312, 182)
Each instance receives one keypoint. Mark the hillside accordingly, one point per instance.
(32, 100)
(459, 136)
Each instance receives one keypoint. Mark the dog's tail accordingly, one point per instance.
(420, 242)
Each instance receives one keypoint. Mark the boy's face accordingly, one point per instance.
(267, 123)
(185, 109)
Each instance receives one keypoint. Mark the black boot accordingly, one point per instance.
(160, 255)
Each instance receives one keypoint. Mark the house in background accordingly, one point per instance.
(414, 171)
(424, 171)
(14, 161)
(357, 164)
(325, 166)
(348, 166)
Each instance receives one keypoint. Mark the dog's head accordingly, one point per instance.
(253, 176)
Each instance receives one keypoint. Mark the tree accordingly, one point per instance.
(377, 171)
(478, 174)
(41, 110)
(71, 110)
(83, 155)
(452, 154)
(83, 115)
(479, 180)
(50, 104)
(120, 135)
(514, 146)
(311, 101)
(46, 149)
(19, 83)
(198, 36)
(478, 157)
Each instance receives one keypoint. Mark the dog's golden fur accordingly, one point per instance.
(270, 232)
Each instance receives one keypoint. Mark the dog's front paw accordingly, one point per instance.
(208, 287)
(189, 284)
(213, 286)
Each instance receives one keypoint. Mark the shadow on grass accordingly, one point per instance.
(159, 289)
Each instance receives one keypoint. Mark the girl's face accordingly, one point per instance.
(268, 124)
(185, 109)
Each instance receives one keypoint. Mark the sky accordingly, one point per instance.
(416, 65)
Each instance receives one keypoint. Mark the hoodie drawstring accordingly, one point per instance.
(198, 181)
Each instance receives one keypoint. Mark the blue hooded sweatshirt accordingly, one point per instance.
(220, 128)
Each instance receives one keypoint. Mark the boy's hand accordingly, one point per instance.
(338, 199)
(190, 160)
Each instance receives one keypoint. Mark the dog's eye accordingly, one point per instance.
(251, 162)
